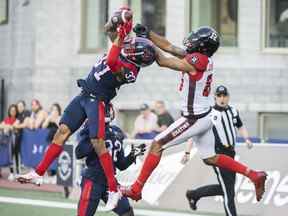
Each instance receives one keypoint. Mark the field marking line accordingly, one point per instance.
(55, 204)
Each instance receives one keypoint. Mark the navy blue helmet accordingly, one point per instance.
(139, 51)
(204, 40)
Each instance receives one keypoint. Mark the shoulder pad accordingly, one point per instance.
(198, 60)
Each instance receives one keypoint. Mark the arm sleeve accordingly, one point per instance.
(113, 58)
(197, 60)
(239, 122)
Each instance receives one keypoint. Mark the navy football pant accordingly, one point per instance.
(92, 193)
(84, 106)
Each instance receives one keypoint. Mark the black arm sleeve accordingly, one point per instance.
(239, 122)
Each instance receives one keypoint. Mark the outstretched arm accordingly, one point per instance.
(159, 41)
(165, 45)
(174, 63)
(114, 52)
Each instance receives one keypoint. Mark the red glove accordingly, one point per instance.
(128, 26)
(124, 29)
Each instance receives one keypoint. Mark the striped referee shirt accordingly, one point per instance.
(226, 120)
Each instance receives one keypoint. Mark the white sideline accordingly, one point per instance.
(64, 205)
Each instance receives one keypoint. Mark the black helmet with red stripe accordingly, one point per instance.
(139, 51)
(204, 40)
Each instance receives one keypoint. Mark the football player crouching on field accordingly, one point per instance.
(94, 183)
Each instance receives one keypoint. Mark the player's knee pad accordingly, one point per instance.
(130, 212)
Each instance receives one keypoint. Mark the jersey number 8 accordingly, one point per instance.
(207, 87)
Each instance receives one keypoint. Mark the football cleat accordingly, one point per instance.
(31, 177)
(112, 202)
(259, 184)
(191, 200)
(129, 192)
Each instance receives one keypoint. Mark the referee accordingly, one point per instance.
(226, 120)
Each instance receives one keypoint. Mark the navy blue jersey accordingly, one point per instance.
(114, 144)
(102, 82)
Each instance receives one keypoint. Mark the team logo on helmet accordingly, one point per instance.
(139, 51)
(194, 59)
(204, 40)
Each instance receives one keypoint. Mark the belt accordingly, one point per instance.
(192, 116)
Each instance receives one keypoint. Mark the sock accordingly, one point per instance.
(50, 155)
(150, 163)
(229, 163)
(107, 165)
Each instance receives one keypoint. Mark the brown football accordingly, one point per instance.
(128, 14)
(121, 16)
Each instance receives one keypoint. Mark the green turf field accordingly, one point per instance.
(25, 210)
(14, 208)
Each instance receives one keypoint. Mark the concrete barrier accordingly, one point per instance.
(167, 186)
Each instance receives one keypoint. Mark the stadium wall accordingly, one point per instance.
(40, 57)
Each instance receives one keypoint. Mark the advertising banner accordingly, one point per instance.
(167, 186)
(65, 166)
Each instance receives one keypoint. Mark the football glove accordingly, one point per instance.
(137, 151)
(124, 29)
(141, 30)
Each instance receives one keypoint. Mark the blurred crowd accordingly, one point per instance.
(19, 117)
(151, 121)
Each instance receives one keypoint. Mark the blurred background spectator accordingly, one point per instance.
(23, 113)
(37, 117)
(52, 121)
(52, 124)
(7, 135)
(145, 125)
(11, 119)
(164, 117)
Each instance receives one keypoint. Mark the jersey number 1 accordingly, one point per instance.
(100, 63)
(207, 87)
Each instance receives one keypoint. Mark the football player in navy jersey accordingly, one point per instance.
(120, 66)
(94, 183)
